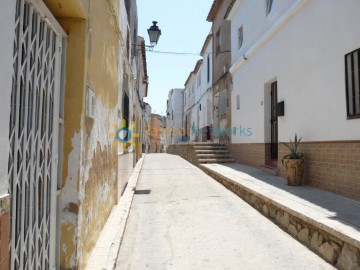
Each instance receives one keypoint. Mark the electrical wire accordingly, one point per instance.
(176, 53)
(185, 53)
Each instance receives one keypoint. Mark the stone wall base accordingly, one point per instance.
(186, 151)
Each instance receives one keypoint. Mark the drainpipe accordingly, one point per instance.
(292, 11)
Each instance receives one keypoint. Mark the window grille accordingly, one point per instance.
(33, 136)
(352, 73)
(208, 68)
(240, 37)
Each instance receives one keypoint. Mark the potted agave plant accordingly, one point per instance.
(294, 163)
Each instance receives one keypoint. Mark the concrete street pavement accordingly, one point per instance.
(183, 219)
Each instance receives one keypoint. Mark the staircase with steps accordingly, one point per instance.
(212, 153)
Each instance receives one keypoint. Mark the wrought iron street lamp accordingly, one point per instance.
(154, 34)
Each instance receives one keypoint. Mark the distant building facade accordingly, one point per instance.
(146, 135)
(158, 134)
(175, 112)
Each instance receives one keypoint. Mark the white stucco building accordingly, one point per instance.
(175, 111)
(198, 97)
(189, 102)
(205, 95)
(302, 56)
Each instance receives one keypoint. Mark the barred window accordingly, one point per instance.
(217, 42)
(269, 6)
(208, 68)
(352, 73)
(240, 37)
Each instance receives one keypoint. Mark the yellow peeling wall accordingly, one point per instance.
(99, 181)
(90, 163)
(74, 107)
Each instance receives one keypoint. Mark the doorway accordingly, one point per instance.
(36, 126)
(215, 128)
(274, 122)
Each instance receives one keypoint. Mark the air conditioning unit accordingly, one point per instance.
(90, 102)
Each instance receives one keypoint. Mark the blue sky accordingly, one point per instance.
(184, 29)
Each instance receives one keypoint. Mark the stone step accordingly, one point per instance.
(206, 156)
(216, 160)
(210, 147)
(205, 143)
(211, 151)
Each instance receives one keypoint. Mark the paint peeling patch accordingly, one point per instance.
(70, 190)
(100, 197)
(69, 206)
(67, 252)
(72, 208)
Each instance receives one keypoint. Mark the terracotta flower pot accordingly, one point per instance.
(294, 170)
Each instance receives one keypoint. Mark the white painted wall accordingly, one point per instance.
(198, 88)
(7, 26)
(306, 57)
(205, 84)
(202, 96)
(206, 87)
(175, 118)
(252, 16)
(189, 97)
(190, 93)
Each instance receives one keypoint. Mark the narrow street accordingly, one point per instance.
(183, 219)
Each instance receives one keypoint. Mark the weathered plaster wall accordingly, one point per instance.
(221, 63)
(96, 58)
(73, 137)
(98, 181)
(224, 57)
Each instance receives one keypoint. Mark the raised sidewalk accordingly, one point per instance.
(105, 252)
(326, 223)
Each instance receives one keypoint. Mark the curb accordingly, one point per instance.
(107, 248)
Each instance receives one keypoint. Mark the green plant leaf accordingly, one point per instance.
(293, 147)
